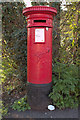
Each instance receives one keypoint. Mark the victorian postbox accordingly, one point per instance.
(39, 51)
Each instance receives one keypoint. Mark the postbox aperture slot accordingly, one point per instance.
(41, 21)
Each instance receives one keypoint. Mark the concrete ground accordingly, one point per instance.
(66, 113)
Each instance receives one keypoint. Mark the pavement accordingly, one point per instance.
(66, 113)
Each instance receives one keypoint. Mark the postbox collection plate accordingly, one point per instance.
(39, 35)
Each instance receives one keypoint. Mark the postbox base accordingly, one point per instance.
(37, 95)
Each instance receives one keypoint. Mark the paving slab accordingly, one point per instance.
(66, 113)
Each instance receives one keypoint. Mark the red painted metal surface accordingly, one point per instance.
(39, 54)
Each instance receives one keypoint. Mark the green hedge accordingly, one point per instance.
(65, 90)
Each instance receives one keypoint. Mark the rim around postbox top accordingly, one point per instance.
(39, 9)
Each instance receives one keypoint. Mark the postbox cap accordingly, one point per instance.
(39, 9)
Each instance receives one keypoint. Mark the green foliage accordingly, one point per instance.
(3, 109)
(66, 87)
(14, 41)
(21, 104)
(13, 47)
(13, 74)
(69, 33)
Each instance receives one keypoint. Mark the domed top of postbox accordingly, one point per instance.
(39, 9)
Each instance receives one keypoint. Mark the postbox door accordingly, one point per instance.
(39, 55)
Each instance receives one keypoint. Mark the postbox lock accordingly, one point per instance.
(47, 28)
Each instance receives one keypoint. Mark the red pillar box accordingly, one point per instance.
(39, 53)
